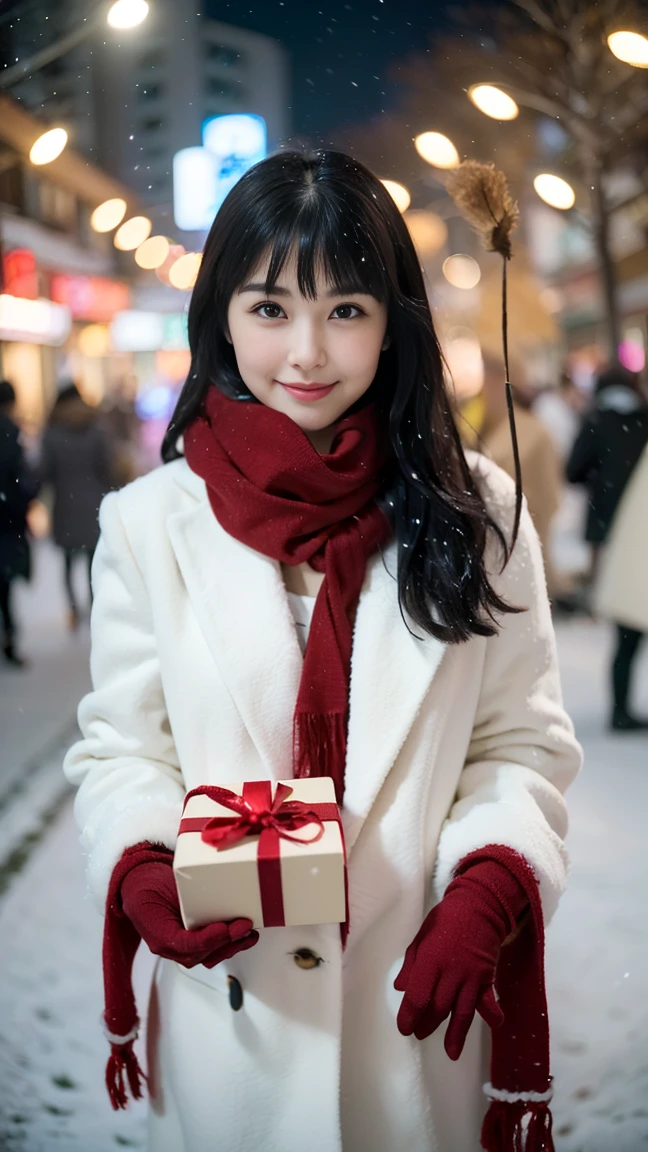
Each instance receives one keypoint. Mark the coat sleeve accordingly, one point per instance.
(584, 457)
(522, 753)
(126, 764)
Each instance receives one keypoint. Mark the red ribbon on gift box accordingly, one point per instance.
(272, 819)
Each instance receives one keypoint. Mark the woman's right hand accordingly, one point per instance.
(150, 900)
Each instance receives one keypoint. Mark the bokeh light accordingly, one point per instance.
(493, 102)
(183, 273)
(133, 233)
(461, 271)
(153, 252)
(630, 47)
(632, 355)
(437, 150)
(127, 13)
(554, 191)
(48, 146)
(398, 193)
(108, 215)
(94, 341)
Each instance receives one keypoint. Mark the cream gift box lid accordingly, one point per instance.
(224, 884)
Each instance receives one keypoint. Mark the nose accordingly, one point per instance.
(307, 347)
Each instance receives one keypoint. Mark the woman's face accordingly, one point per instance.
(311, 359)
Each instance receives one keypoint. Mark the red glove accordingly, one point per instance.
(449, 968)
(150, 900)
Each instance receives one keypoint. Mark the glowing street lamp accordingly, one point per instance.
(437, 149)
(554, 191)
(108, 215)
(127, 13)
(493, 102)
(630, 47)
(123, 14)
(48, 146)
(398, 193)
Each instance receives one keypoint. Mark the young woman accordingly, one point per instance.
(318, 582)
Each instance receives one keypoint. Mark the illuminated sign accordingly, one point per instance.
(34, 321)
(90, 297)
(202, 177)
(135, 331)
(19, 275)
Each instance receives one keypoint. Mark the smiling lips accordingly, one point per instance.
(308, 391)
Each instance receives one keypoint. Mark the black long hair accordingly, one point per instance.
(338, 217)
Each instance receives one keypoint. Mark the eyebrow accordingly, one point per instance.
(277, 291)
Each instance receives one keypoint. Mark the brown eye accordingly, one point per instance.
(347, 312)
(269, 311)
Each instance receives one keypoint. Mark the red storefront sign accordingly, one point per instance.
(90, 297)
(19, 274)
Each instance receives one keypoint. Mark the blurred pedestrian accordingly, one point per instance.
(621, 592)
(123, 426)
(76, 462)
(540, 464)
(17, 488)
(324, 509)
(611, 441)
(559, 409)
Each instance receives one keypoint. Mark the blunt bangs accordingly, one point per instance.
(332, 231)
(325, 243)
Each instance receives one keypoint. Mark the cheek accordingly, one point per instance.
(361, 351)
(256, 349)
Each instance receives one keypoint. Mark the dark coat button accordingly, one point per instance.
(235, 993)
(306, 958)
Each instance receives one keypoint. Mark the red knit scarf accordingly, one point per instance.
(271, 489)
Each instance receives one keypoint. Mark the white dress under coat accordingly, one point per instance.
(196, 666)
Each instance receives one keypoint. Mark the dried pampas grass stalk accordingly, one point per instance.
(481, 194)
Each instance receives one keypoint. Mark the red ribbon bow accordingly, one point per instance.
(271, 819)
(283, 816)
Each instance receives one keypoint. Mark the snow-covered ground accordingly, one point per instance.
(52, 1052)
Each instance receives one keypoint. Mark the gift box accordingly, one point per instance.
(271, 851)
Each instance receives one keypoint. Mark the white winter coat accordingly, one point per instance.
(196, 666)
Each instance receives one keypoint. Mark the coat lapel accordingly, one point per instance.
(240, 601)
(239, 598)
(390, 675)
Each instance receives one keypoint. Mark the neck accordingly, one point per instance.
(321, 439)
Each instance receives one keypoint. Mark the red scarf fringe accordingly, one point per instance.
(122, 1060)
(504, 1131)
(319, 746)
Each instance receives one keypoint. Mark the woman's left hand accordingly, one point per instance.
(449, 968)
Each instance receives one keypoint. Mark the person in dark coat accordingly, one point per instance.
(611, 440)
(76, 461)
(17, 488)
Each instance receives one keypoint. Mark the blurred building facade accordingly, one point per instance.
(71, 304)
(131, 100)
(61, 282)
(564, 256)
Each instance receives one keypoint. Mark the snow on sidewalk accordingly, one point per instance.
(52, 1052)
(597, 944)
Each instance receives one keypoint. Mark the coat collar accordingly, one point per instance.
(240, 601)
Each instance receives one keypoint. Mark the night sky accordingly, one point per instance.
(341, 52)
